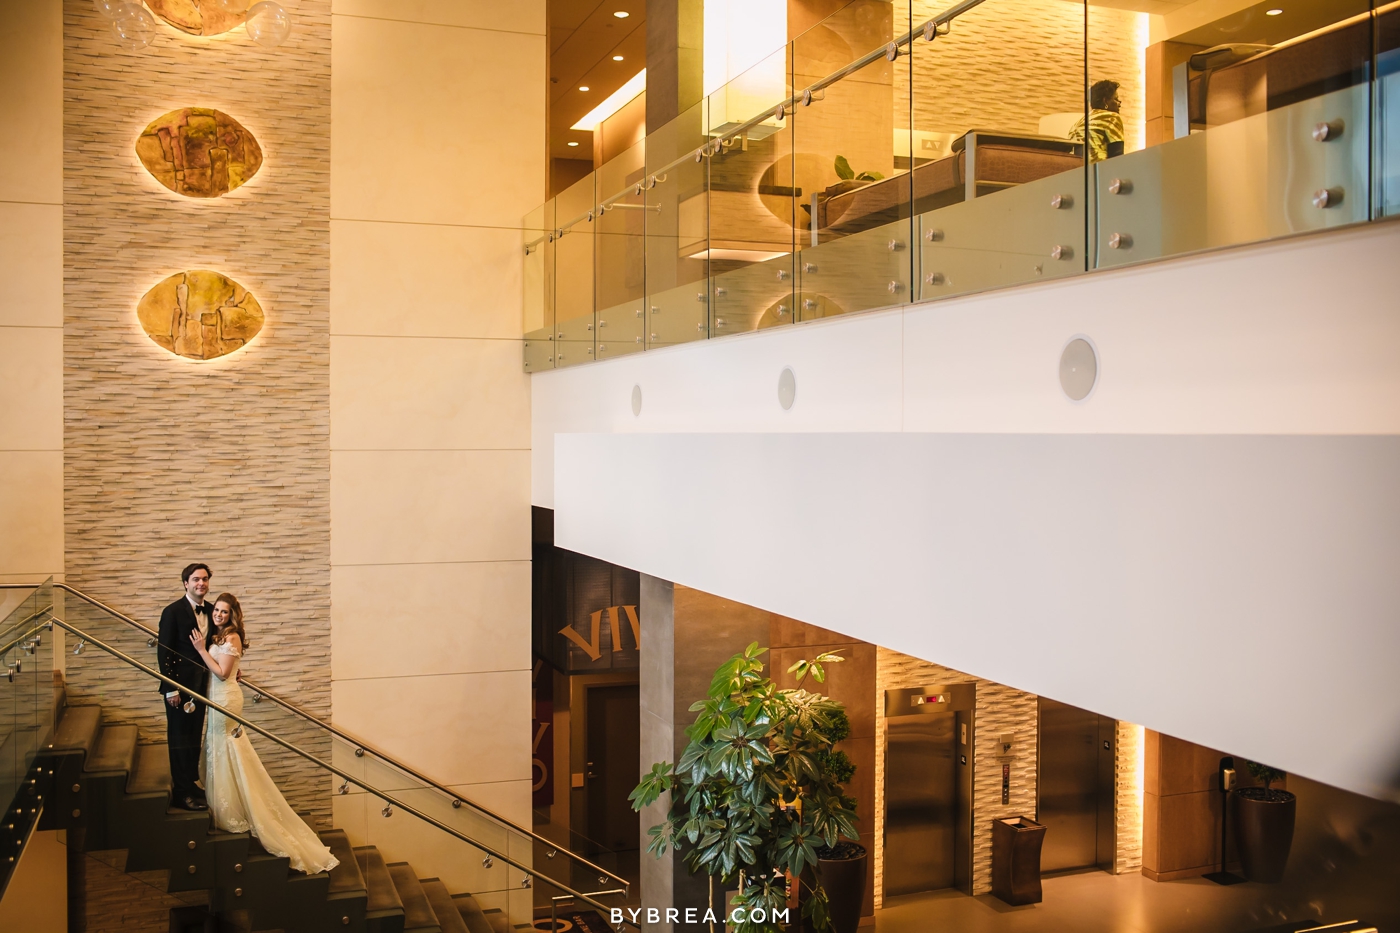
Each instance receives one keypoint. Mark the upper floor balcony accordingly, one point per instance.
(905, 152)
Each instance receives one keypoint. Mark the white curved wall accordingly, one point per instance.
(933, 490)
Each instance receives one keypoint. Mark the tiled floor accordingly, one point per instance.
(1091, 902)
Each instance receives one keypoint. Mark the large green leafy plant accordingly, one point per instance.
(758, 789)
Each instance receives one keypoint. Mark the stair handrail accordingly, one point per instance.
(260, 691)
(326, 766)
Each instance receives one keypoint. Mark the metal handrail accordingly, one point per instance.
(457, 799)
(348, 778)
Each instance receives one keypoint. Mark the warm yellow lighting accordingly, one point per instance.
(614, 102)
(739, 255)
(617, 58)
(573, 144)
(584, 87)
(1272, 12)
(622, 14)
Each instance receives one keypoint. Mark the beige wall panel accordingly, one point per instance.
(396, 507)
(425, 280)
(416, 115)
(31, 264)
(398, 620)
(31, 101)
(31, 385)
(416, 393)
(31, 513)
(455, 728)
(514, 16)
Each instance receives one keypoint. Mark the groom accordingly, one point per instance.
(178, 660)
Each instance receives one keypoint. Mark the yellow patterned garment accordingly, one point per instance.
(1105, 128)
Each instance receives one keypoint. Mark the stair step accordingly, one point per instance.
(150, 774)
(500, 923)
(115, 750)
(345, 877)
(470, 911)
(418, 916)
(448, 917)
(380, 894)
(77, 730)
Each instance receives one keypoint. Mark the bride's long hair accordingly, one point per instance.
(235, 621)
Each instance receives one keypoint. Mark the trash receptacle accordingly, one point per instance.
(1016, 845)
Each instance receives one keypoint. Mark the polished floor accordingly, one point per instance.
(1094, 902)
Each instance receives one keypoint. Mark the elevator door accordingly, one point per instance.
(920, 803)
(1075, 787)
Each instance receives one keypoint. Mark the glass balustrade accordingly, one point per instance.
(351, 784)
(915, 150)
(26, 706)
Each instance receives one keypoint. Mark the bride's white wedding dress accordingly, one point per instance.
(241, 796)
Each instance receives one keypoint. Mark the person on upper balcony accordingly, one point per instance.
(1105, 122)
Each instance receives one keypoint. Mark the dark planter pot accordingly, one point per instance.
(844, 880)
(1264, 832)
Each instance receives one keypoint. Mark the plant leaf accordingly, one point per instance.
(843, 169)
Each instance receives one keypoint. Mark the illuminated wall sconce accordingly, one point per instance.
(198, 152)
(134, 24)
(200, 315)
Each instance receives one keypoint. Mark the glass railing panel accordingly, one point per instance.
(753, 201)
(1387, 129)
(574, 252)
(997, 177)
(851, 161)
(1256, 178)
(677, 230)
(537, 273)
(1252, 126)
(23, 666)
(620, 238)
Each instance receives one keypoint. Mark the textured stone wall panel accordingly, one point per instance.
(999, 710)
(168, 460)
(1127, 790)
(1006, 64)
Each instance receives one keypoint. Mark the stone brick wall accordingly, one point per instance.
(999, 710)
(168, 460)
(1128, 803)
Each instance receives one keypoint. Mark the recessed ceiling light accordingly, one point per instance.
(617, 58)
(583, 87)
(1272, 12)
(622, 14)
(573, 144)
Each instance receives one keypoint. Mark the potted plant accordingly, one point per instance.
(1264, 820)
(757, 796)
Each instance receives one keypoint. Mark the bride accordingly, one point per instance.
(242, 798)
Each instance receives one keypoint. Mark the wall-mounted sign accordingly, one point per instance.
(593, 646)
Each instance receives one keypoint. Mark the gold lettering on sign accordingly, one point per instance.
(589, 647)
(593, 645)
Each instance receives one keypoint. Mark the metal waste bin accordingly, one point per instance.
(1016, 843)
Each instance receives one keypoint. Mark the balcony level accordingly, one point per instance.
(1122, 432)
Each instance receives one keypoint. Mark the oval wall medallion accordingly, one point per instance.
(200, 315)
(199, 152)
(198, 17)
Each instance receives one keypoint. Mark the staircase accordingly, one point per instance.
(109, 792)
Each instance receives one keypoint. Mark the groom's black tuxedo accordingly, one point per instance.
(178, 660)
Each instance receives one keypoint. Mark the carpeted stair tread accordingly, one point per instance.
(380, 894)
(77, 730)
(345, 877)
(150, 773)
(115, 750)
(444, 909)
(418, 916)
(470, 911)
(500, 923)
